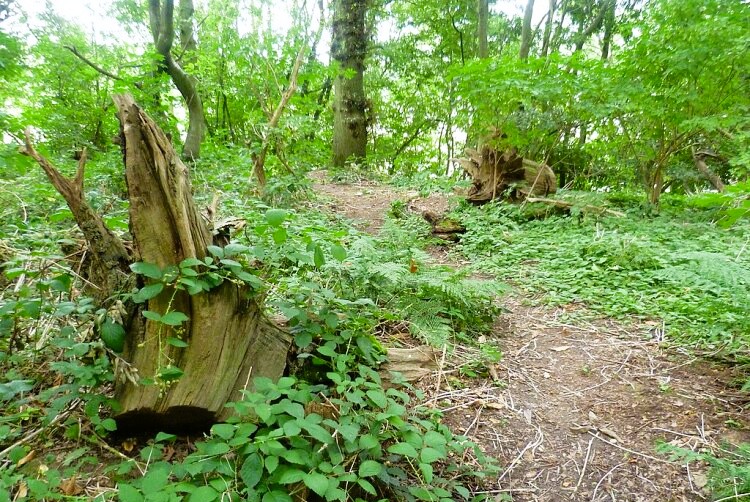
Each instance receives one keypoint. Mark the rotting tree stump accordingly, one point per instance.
(229, 339)
(505, 174)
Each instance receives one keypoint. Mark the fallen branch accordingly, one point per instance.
(567, 205)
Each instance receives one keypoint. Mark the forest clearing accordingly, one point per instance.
(368, 250)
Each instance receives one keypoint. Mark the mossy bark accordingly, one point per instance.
(349, 48)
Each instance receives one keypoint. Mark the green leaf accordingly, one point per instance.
(318, 257)
(148, 269)
(163, 436)
(290, 476)
(426, 472)
(216, 251)
(279, 236)
(251, 470)
(113, 335)
(368, 441)
(174, 318)
(367, 486)
(154, 480)
(276, 496)
(317, 482)
(204, 494)
(233, 248)
(128, 493)
(377, 396)
(224, 431)
(272, 462)
(303, 339)
(170, 373)
(370, 468)
(109, 424)
(403, 449)
(215, 449)
(338, 252)
(286, 406)
(152, 316)
(430, 455)
(148, 292)
(275, 217)
(190, 262)
(176, 342)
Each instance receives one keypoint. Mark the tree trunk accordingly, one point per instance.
(702, 167)
(526, 33)
(161, 19)
(348, 48)
(484, 14)
(548, 27)
(229, 340)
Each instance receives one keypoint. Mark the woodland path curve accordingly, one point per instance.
(578, 403)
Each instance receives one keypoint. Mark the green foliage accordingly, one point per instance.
(729, 472)
(355, 441)
(675, 267)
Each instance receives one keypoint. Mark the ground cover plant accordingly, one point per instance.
(677, 267)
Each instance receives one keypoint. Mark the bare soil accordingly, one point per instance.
(576, 408)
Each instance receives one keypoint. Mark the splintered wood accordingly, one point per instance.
(505, 174)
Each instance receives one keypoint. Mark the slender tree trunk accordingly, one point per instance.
(348, 49)
(557, 35)
(484, 14)
(585, 33)
(161, 17)
(609, 30)
(526, 33)
(548, 27)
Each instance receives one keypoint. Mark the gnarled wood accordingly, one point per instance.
(107, 269)
(494, 173)
(229, 340)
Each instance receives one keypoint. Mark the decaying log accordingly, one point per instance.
(229, 339)
(505, 174)
(414, 363)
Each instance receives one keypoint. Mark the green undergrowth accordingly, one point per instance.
(330, 430)
(677, 267)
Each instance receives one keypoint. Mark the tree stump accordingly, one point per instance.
(505, 175)
(229, 339)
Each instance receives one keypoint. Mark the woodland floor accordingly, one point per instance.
(578, 403)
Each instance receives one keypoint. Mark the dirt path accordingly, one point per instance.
(578, 407)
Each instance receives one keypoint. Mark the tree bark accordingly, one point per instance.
(348, 49)
(702, 167)
(161, 19)
(484, 14)
(229, 339)
(548, 27)
(526, 30)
